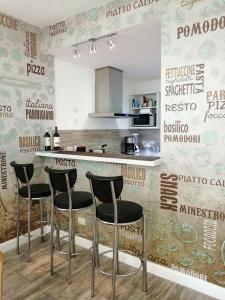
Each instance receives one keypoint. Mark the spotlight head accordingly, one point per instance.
(111, 43)
(92, 46)
(76, 52)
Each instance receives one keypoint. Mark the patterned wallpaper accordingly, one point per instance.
(99, 21)
(191, 200)
(184, 198)
(26, 108)
(185, 202)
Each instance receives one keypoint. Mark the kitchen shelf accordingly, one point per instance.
(145, 107)
(154, 110)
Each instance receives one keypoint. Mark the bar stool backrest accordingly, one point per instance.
(23, 171)
(101, 186)
(58, 178)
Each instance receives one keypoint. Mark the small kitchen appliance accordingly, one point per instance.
(144, 119)
(129, 145)
(136, 138)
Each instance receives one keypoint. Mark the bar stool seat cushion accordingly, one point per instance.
(127, 211)
(39, 190)
(80, 200)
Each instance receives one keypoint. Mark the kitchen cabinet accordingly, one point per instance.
(147, 107)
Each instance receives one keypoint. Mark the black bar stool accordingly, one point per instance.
(113, 211)
(67, 200)
(29, 192)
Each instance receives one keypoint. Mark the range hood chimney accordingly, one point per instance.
(109, 94)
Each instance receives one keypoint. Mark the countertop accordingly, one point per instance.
(150, 161)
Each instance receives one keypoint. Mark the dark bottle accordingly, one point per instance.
(56, 139)
(47, 139)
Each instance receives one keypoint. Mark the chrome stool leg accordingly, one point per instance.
(115, 260)
(73, 238)
(117, 257)
(57, 227)
(28, 225)
(94, 257)
(51, 240)
(70, 247)
(18, 226)
(41, 217)
(144, 251)
(97, 242)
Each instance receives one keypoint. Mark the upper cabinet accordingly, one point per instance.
(147, 108)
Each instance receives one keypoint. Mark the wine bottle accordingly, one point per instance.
(47, 140)
(56, 139)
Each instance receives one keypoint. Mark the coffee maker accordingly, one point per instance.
(129, 145)
(136, 137)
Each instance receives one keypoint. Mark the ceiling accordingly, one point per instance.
(44, 12)
(137, 52)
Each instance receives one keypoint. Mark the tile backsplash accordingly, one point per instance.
(111, 137)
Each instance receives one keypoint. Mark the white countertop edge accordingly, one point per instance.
(145, 163)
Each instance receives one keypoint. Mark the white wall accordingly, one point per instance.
(74, 90)
(75, 97)
(142, 87)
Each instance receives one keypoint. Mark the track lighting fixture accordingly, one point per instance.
(92, 44)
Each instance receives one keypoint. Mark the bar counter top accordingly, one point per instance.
(150, 161)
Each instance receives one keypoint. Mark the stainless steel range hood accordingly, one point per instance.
(109, 94)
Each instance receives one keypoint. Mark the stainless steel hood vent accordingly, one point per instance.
(109, 94)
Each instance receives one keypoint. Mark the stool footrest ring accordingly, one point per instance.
(98, 267)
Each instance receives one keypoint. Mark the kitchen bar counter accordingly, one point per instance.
(150, 161)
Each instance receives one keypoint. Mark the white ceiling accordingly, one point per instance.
(44, 12)
(137, 52)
